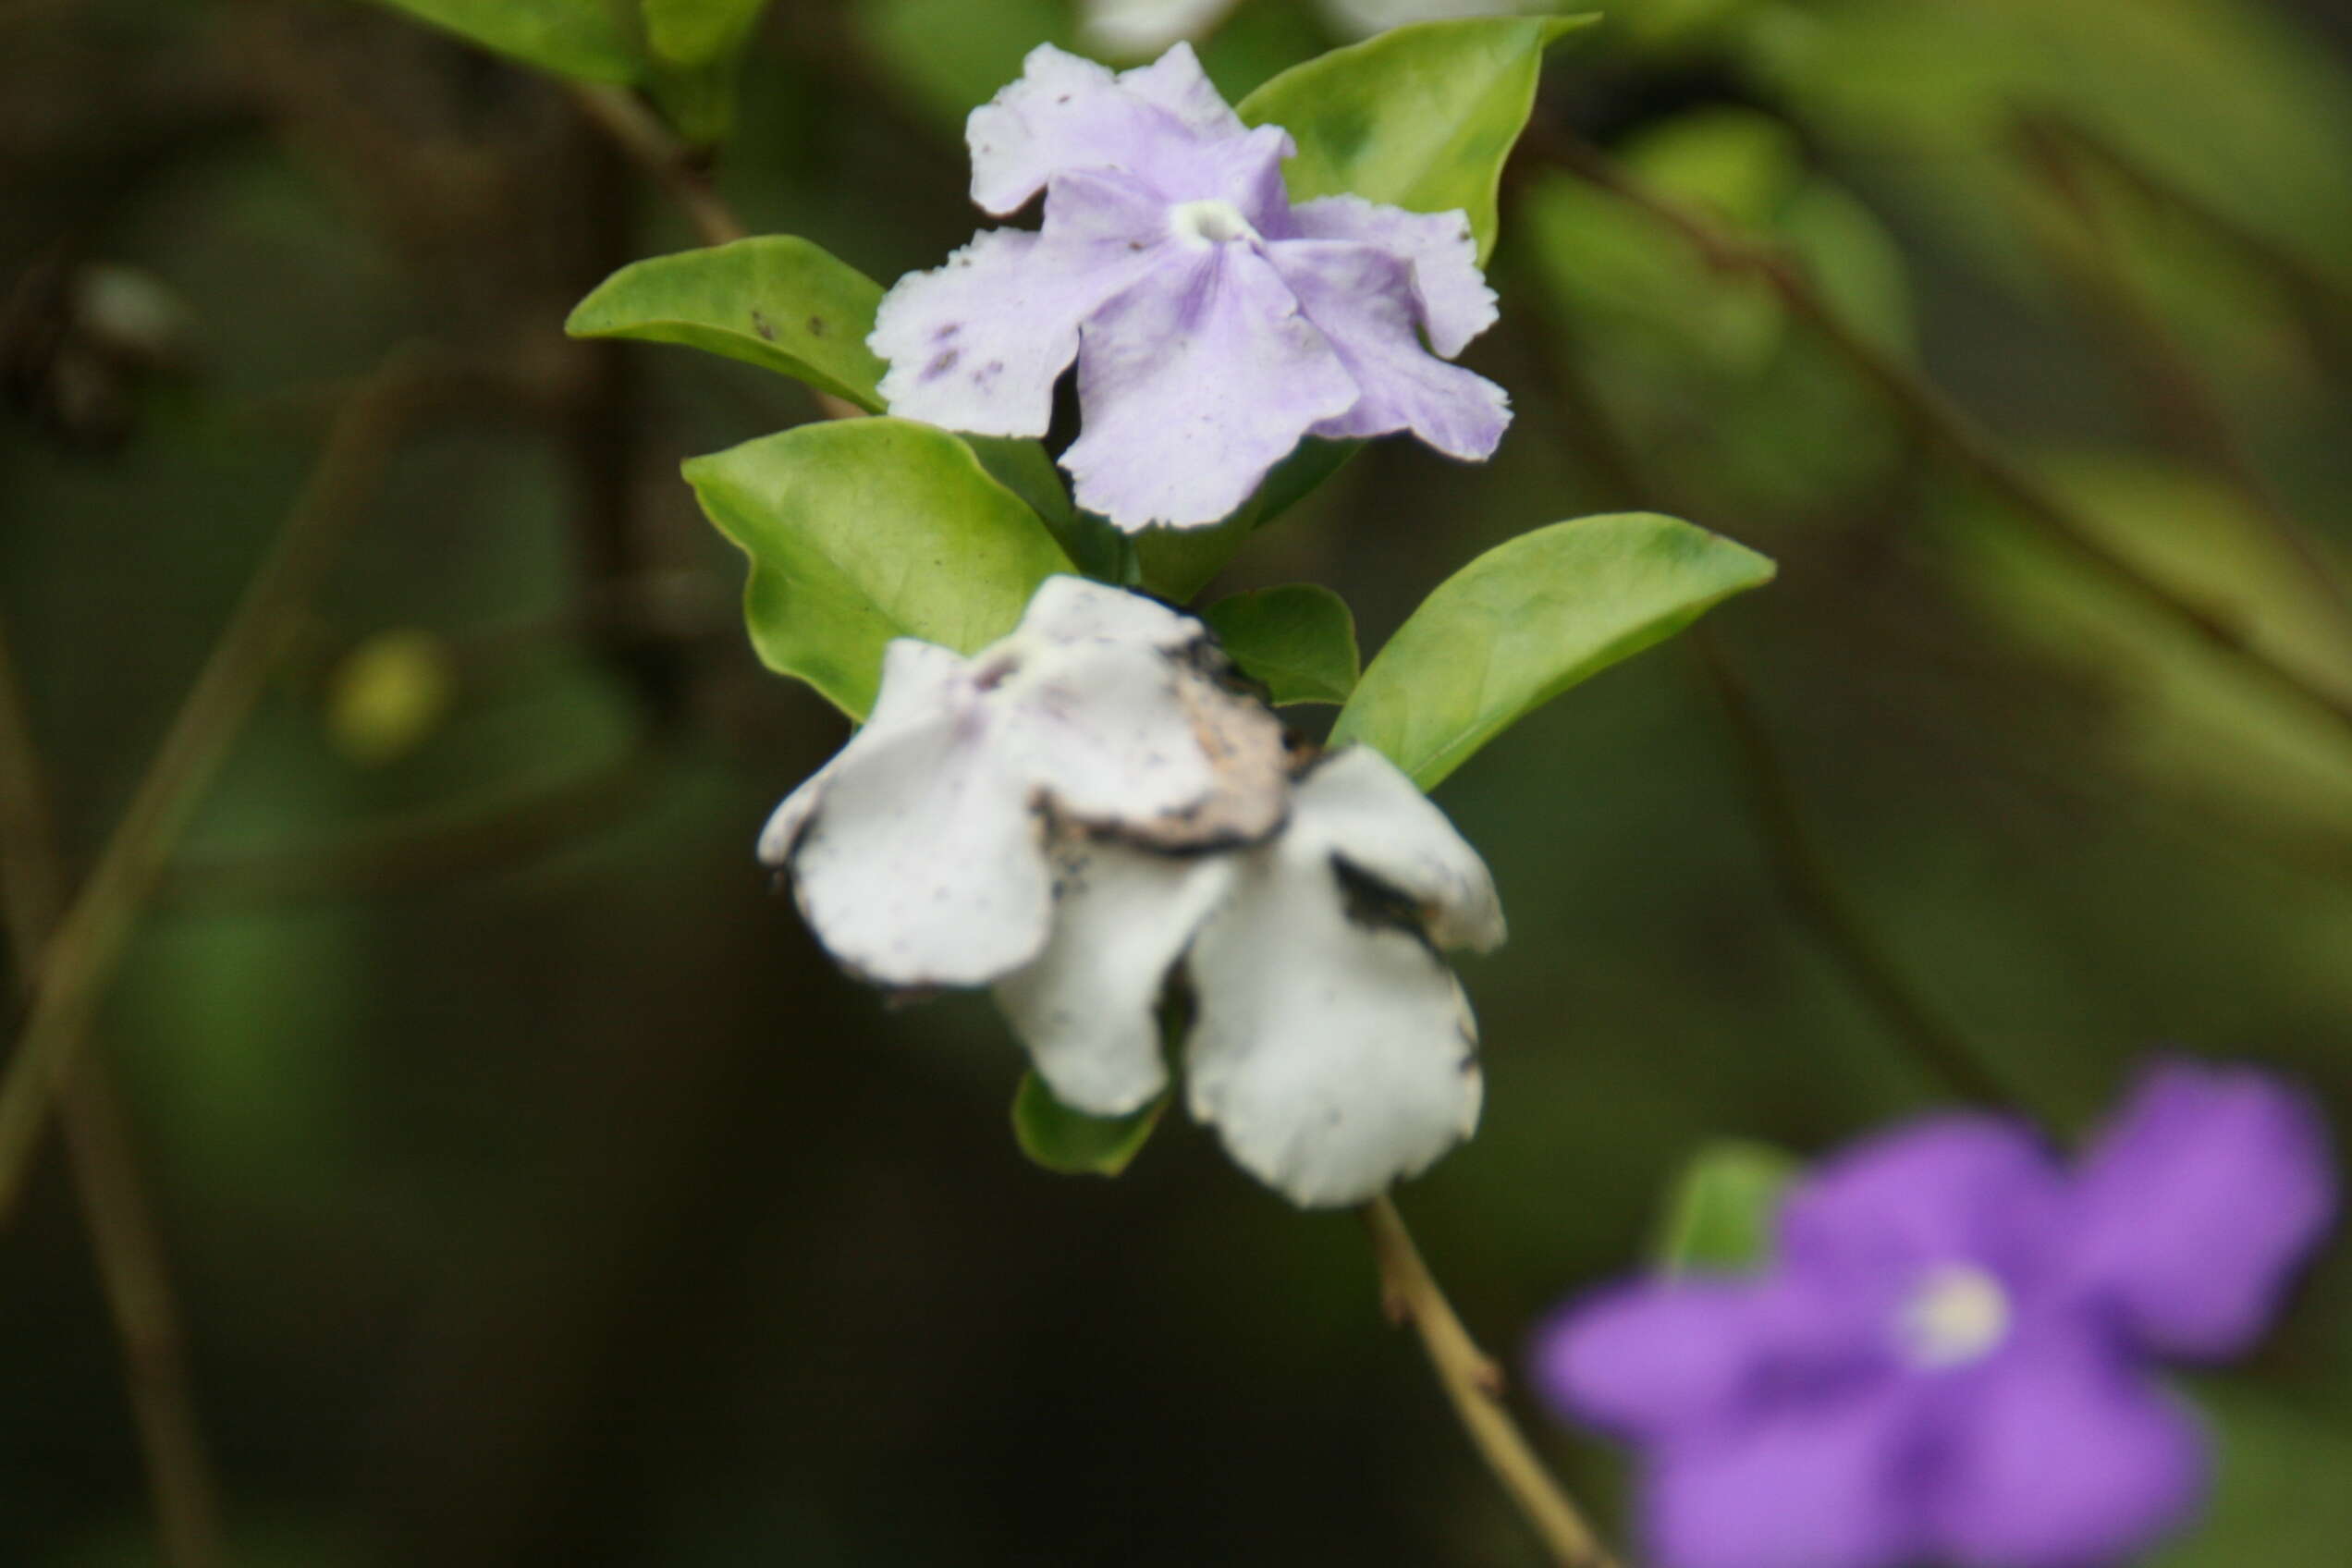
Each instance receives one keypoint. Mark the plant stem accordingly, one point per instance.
(1807, 882)
(1474, 1384)
(129, 1252)
(90, 939)
(1934, 417)
(647, 142)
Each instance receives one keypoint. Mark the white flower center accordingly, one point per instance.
(1209, 223)
(1959, 1314)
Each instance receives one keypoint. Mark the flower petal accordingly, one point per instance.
(1452, 300)
(1132, 27)
(977, 345)
(1820, 1484)
(1070, 610)
(1950, 1190)
(1087, 1007)
(1194, 382)
(1662, 1357)
(2198, 1203)
(918, 680)
(1334, 1056)
(921, 863)
(2062, 1456)
(1374, 819)
(1362, 300)
(1112, 706)
(1066, 113)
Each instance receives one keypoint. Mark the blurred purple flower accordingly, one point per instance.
(1949, 1360)
(1214, 324)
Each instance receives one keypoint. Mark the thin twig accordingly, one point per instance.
(1474, 1384)
(623, 115)
(1934, 417)
(2323, 298)
(129, 1252)
(1810, 888)
(90, 938)
(2180, 402)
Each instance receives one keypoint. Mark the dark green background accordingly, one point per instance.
(537, 1192)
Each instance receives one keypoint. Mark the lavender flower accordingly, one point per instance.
(1950, 1359)
(1214, 324)
(1071, 814)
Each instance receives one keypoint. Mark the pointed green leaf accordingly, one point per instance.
(1063, 1140)
(1420, 117)
(1530, 619)
(863, 530)
(1298, 641)
(694, 32)
(575, 38)
(775, 301)
(1721, 1215)
(697, 49)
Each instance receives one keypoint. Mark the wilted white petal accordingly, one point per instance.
(1375, 818)
(918, 681)
(1134, 27)
(1074, 609)
(1456, 304)
(1333, 1059)
(1364, 18)
(1086, 1008)
(921, 864)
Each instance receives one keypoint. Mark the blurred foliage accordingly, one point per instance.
(538, 1195)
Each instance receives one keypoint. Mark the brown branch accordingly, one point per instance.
(635, 128)
(2182, 407)
(130, 1255)
(1935, 419)
(1474, 1384)
(1811, 888)
(90, 938)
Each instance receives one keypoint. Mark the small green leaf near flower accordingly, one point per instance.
(776, 300)
(1297, 641)
(1721, 1214)
(1530, 619)
(1063, 1141)
(1420, 117)
(863, 530)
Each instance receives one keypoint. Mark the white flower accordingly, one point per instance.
(1088, 818)
(1135, 29)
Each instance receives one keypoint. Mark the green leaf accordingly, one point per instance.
(1530, 619)
(775, 301)
(695, 32)
(1299, 641)
(1420, 117)
(1063, 1140)
(575, 38)
(697, 48)
(2279, 1497)
(1721, 1214)
(863, 530)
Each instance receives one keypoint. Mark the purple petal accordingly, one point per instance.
(1176, 83)
(2058, 1455)
(2199, 1201)
(1362, 300)
(1825, 1484)
(1454, 303)
(1194, 383)
(1648, 1358)
(1066, 113)
(1956, 1189)
(977, 345)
